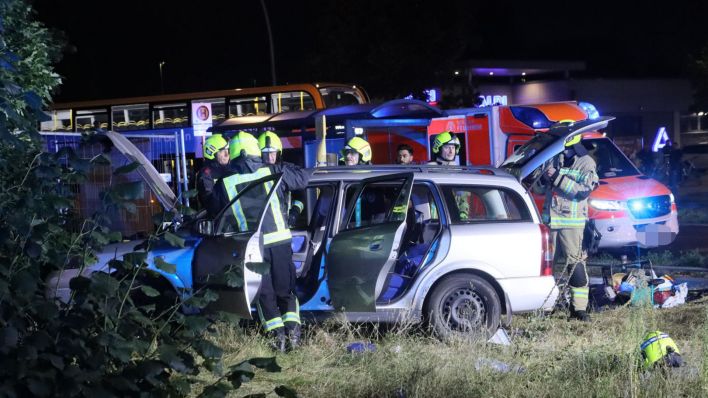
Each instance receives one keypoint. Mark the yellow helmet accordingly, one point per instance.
(359, 145)
(243, 141)
(658, 345)
(214, 144)
(444, 138)
(575, 140)
(270, 142)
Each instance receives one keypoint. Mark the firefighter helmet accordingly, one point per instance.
(658, 345)
(243, 142)
(359, 145)
(444, 138)
(270, 142)
(214, 144)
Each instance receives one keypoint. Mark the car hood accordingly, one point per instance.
(625, 188)
(529, 157)
(152, 178)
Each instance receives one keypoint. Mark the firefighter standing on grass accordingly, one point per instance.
(565, 210)
(278, 307)
(216, 153)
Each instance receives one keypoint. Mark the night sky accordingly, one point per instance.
(114, 49)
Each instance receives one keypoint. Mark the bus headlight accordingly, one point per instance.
(607, 205)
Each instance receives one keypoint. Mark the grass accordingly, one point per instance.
(559, 359)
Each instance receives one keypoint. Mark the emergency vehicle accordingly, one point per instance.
(628, 208)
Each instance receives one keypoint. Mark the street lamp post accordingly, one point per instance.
(270, 42)
(162, 82)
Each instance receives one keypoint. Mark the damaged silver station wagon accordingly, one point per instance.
(462, 248)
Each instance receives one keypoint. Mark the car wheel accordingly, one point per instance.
(463, 305)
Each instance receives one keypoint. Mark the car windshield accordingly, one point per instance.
(611, 162)
(522, 155)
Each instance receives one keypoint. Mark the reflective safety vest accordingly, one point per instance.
(275, 230)
(566, 204)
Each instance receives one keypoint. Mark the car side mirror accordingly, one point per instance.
(205, 227)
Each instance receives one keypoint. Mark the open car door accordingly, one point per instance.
(529, 161)
(229, 259)
(366, 248)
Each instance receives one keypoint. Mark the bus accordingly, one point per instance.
(175, 111)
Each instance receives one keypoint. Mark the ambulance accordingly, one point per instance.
(628, 208)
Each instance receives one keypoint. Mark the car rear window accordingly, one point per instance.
(468, 204)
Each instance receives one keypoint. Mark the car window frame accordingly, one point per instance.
(528, 213)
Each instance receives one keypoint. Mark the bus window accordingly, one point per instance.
(131, 117)
(61, 121)
(90, 119)
(252, 106)
(167, 116)
(340, 96)
(293, 101)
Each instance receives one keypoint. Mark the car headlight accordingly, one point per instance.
(609, 205)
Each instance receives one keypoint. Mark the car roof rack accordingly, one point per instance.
(419, 168)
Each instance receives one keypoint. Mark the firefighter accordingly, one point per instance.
(357, 151)
(658, 348)
(278, 306)
(272, 152)
(271, 147)
(216, 153)
(565, 211)
(446, 146)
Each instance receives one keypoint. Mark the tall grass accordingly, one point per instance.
(557, 358)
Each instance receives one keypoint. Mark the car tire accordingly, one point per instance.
(463, 305)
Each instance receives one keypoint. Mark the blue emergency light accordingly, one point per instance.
(589, 109)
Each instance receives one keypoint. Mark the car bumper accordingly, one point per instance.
(624, 231)
(530, 294)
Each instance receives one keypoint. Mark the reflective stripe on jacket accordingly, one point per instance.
(274, 228)
(567, 206)
(293, 178)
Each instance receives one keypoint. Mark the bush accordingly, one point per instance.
(102, 342)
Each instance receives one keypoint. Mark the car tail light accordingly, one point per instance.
(547, 251)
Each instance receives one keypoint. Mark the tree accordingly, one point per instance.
(104, 341)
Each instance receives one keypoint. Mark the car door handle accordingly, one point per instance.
(375, 246)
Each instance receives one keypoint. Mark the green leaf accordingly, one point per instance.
(79, 283)
(208, 349)
(268, 364)
(135, 258)
(163, 265)
(115, 236)
(99, 237)
(38, 388)
(190, 194)
(127, 168)
(286, 392)
(234, 278)
(130, 190)
(259, 268)
(218, 390)
(149, 291)
(174, 240)
(256, 395)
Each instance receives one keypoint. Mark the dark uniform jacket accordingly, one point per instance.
(207, 177)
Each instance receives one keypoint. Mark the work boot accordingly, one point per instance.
(276, 339)
(581, 316)
(294, 336)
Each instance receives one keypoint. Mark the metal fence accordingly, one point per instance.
(166, 152)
